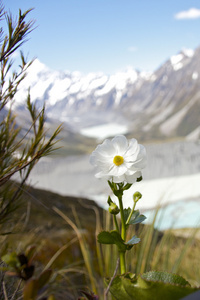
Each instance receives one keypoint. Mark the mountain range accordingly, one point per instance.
(154, 106)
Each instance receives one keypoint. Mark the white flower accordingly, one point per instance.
(119, 160)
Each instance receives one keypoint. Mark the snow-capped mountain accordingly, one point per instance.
(160, 105)
(170, 103)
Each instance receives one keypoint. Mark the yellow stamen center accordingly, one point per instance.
(118, 160)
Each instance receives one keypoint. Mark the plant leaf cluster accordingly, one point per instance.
(21, 266)
(151, 285)
(20, 149)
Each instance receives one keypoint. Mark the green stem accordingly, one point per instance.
(122, 262)
(123, 230)
(123, 235)
(129, 217)
(116, 223)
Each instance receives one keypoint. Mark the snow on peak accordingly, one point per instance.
(175, 59)
(188, 52)
(118, 81)
(54, 86)
(195, 75)
(37, 66)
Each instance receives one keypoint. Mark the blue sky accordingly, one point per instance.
(109, 35)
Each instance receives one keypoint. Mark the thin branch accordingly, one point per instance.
(4, 291)
(108, 288)
(17, 289)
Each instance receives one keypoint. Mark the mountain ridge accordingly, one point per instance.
(161, 105)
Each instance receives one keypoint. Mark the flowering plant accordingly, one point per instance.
(120, 162)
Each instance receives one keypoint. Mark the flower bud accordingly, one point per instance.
(113, 209)
(137, 196)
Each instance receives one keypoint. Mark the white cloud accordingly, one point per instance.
(192, 13)
(132, 49)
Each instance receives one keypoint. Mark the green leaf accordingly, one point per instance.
(133, 241)
(109, 201)
(30, 252)
(139, 179)
(165, 277)
(117, 289)
(127, 212)
(44, 278)
(30, 290)
(151, 285)
(136, 218)
(11, 260)
(111, 185)
(105, 237)
(127, 186)
(112, 237)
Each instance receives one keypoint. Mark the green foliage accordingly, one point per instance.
(11, 260)
(56, 249)
(18, 153)
(20, 150)
(133, 241)
(151, 285)
(128, 217)
(113, 237)
(165, 278)
(21, 266)
(11, 41)
(136, 217)
(33, 286)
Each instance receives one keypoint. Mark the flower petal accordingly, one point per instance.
(102, 175)
(106, 148)
(132, 178)
(141, 161)
(117, 170)
(120, 144)
(118, 179)
(98, 159)
(132, 148)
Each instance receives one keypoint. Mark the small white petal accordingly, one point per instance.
(97, 158)
(120, 143)
(131, 172)
(103, 175)
(141, 160)
(133, 178)
(117, 170)
(106, 148)
(132, 148)
(118, 179)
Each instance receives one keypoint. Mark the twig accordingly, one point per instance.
(4, 291)
(115, 272)
(17, 289)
